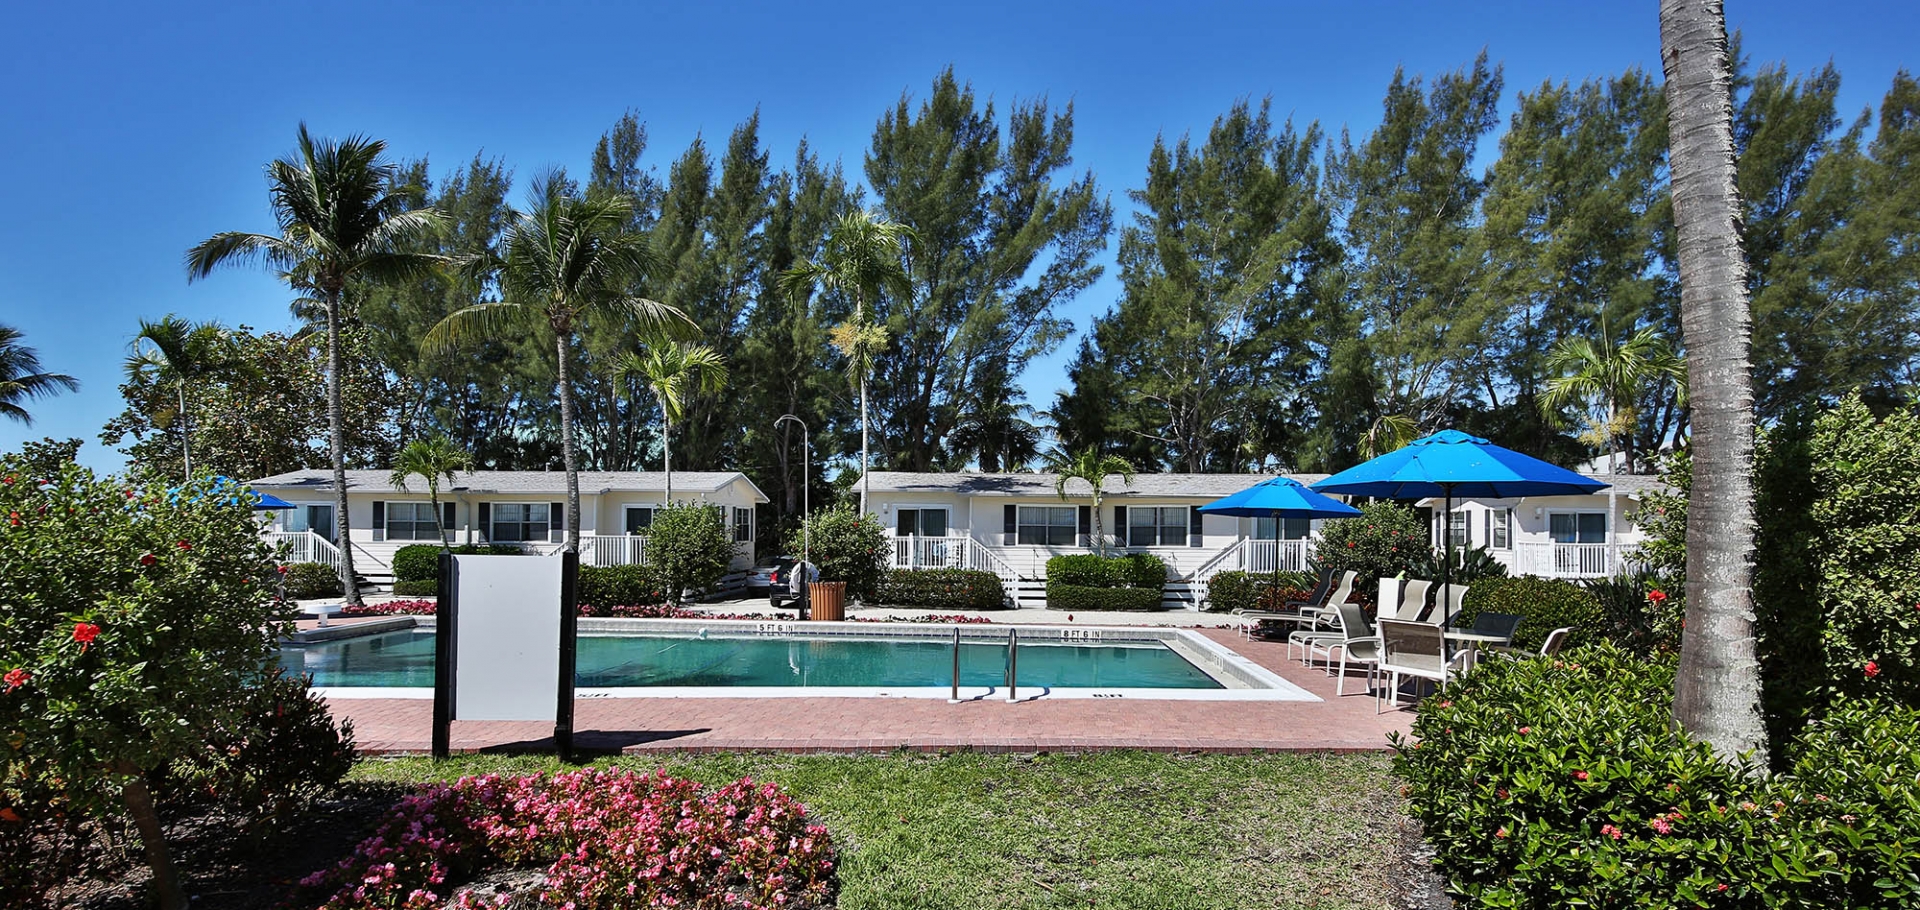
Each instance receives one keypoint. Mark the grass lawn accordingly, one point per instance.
(1115, 829)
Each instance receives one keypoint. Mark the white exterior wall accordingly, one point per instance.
(1532, 523)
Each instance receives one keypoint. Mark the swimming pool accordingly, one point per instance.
(638, 658)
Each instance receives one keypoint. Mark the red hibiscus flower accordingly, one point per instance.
(85, 632)
(13, 518)
(184, 545)
(281, 569)
(1872, 669)
(1658, 597)
(147, 559)
(16, 678)
(1580, 775)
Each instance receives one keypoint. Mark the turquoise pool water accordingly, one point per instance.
(406, 659)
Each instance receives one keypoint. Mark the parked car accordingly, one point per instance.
(772, 576)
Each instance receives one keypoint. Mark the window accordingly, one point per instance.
(520, 521)
(1048, 526)
(1577, 527)
(639, 519)
(742, 525)
(318, 519)
(1164, 526)
(921, 522)
(1460, 527)
(410, 521)
(1500, 528)
(1290, 529)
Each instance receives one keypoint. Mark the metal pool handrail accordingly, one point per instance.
(1013, 664)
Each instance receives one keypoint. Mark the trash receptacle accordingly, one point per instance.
(828, 600)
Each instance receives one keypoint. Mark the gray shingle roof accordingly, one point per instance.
(969, 483)
(591, 482)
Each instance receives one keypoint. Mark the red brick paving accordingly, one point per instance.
(1339, 724)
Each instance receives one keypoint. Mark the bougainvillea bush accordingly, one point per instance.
(606, 839)
(1548, 783)
(132, 621)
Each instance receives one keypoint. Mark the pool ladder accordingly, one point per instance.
(1012, 675)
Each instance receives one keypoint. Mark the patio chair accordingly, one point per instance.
(1359, 646)
(1416, 649)
(1556, 640)
(1413, 601)
(1311, 614)
(1500, 624)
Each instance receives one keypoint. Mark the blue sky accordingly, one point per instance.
(134, 130)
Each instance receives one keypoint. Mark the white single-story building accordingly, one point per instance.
(1011, 524)
(521, 508)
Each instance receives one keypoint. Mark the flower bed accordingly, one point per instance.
(607, 839)
(390, 608)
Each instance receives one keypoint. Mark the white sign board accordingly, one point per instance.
(506, 657)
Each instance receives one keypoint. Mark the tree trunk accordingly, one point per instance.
(1717, 693)
(864, 472)
(337, 451)
(153, 842)
(666, 453)
(567, 454)
(186, 435)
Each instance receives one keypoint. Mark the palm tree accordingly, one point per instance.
(1093, 467)
(21, 378)
(434, 458)
(674, 373)
(184, 353)
(998, 434)
(863, 260)
(1389, 433)
(568, 259)
(1717, 691)
(1611, 376)
(343, 222)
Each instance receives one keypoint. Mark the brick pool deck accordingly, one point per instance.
(637, 725)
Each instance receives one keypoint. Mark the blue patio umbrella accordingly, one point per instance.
(1279, 497)
(261, 501)
(1451, 463)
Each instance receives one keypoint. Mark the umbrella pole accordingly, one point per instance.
(1276, 553)
(1446, 568)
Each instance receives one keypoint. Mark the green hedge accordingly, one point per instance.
(421, 561)
(620, 586)
(1544, 604)
(1556, 783)
(427, 588)
(1136, 581)
(308, 580)
(1083, 599)
(1234, 590)
(943, 589)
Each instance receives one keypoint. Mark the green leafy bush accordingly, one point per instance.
(1074, 598)
(1470, 564)
(307, 580)
(132, 621)
(607, 587)
(1384, 541)
(1234, 590)
(943, 589)
(1554, 783)
(285, 751)
(1545, 604)
(690, 544)
(416, 562)
(428, 588)
(849, 547)
(1136, 581)
(1637, 613)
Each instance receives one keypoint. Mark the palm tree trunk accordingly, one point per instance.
(566, 444)
(1717, 693)
(666, 450)
(186, 435)
(138, 800)
(864, 480)
(337, 451)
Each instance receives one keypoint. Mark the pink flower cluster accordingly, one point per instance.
(390, 608)
(609, 839)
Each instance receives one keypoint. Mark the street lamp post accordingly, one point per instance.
(806, 483)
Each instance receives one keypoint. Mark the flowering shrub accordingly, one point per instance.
(957, 619)
(608, 839)
(1386, 540)
(132, 622)
(391, 608)
(851, 548)
(1552, 783)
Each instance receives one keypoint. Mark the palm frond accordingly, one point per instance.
(479, 322)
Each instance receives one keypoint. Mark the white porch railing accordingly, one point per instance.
(1569, 560)
(613, 550)
(951, 552)
(1255, 556)
(304, 546)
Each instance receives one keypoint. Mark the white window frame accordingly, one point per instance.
(1020, 524)
(626, 517)
(1500, 529)
(415, 523)
(1160, 527)
(1605, 525)
(494, 522)
(918, 522)
(742, 525)
(1460, 531)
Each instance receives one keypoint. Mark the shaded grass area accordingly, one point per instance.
(1111, 829)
